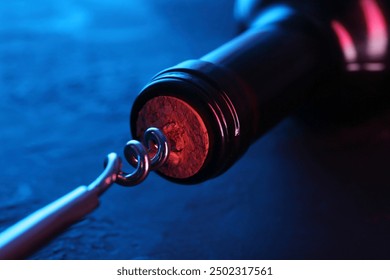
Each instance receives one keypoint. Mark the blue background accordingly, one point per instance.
(69, 72)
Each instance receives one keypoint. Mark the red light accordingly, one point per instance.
(367, 55)
(346, 42)
(376, 29)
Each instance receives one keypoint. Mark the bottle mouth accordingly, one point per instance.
(195, 120)
(180, 108)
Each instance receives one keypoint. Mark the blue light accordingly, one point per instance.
(273, 14)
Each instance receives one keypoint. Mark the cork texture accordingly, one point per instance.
(185, 130)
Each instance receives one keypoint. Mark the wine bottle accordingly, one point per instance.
(212, 109)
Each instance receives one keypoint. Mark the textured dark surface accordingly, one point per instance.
(69, 71)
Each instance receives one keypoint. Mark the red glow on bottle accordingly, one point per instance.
(368, 55)
(347, 45)
(377, 32)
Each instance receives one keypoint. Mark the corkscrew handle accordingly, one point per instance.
(29, 234)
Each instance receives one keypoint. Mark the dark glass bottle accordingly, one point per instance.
(212, 109)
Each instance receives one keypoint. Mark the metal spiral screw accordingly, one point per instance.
(145, 156)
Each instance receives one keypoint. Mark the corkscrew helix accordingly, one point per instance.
(150, 154)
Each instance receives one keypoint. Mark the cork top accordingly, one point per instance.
(186, 132)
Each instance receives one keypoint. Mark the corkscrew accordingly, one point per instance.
(139, 155)
(21, 239)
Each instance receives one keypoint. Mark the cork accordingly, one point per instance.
(185, 130)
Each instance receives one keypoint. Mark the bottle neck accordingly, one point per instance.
(278, 60)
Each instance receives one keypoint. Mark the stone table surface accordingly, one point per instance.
(69, 72)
